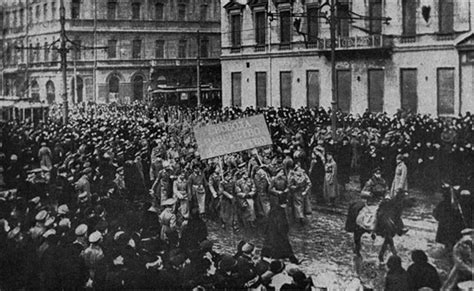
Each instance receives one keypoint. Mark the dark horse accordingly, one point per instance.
(389, 223)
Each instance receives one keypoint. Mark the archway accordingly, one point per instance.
(79, 89)
(114, 88)
(50, 92)
(35, 91)
(137, 88)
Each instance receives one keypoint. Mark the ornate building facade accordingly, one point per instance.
(417, 55)
(119, 50)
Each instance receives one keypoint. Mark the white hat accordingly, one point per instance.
(118, 234)
(49, 232)
(95, 237)
(41, 215)
(63, 209)
(49, 221)
(65, 222)
(81, 230)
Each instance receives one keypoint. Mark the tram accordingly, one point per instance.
(185, 96)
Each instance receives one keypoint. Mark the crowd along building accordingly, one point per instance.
(416, 55)
(119, 50)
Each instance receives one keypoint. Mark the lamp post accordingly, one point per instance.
(63, 53)
(332, 28)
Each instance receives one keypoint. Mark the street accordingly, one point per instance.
(326, 249)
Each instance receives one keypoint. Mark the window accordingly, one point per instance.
(260, 27)
(375, 14)
(22, 15)
(75, 9)
(77, 49)
(53, 10)
(343, 16)
(313, 23)
(312, 88)
(46, 52)
(137, 48)
(30, 15)
(159, 11)
(45, 11)
(446, 16)
(111, 10)
(37, 13)
(112, 49)
(409, 17)
(204, 48)
(408, 87)
(236, 89)
(285, 89)
(203, 12)
(445, 82)
(55, 55)
(376, 90)
(235, 28)
(37, 52)
(114, 84)
(14, 19)
(344, 90)
(136, 11)
(182, 49)
(261, 88)
(285, 27)
(160, 49)
(181, 12)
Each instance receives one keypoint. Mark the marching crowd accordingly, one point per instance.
(119, 197)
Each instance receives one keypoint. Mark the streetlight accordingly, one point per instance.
(63, 52)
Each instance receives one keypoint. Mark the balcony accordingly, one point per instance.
(124, 24)
(284, 46)
(260, 48)
(235, 49)
(354, 42)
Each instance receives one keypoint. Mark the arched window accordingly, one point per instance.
(138, 88)
(114, 84)
(35, 91)
(50, 92)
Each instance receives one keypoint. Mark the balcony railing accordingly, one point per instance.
(445, 36)
(260, 48)
(407, 39)
(284, 46)
(143, 24)
(235, 49)
(353, 42)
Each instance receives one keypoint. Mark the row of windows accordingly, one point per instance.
(13, 55)
(36, 13)
(160, 48)
(375, 84)
(343, 14)
(47, 11)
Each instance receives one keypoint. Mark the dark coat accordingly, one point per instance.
(396, 280)
(423, 275)
(276, 234)
(352, 213)
(450, 223)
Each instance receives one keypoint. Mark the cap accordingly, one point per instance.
(49, 233)
(81, 230)
(14, 232)
(277, 266)
(248, 248)
(63, 209)
(118, 234)
(95, 237)
(65, 223)
(169, 202)
(35, 200)
(41, 215)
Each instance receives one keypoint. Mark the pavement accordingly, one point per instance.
(327, 249)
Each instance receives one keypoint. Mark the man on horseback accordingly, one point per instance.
(384, 221)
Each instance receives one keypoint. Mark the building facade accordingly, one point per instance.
(119, 50)
(417, 55)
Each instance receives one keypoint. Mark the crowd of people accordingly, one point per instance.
(119, 197)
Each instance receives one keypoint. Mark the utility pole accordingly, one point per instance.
(94, 73)
(198, 68)
(332, 28)
(63, 53)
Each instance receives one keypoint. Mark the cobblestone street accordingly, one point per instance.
(327, 249)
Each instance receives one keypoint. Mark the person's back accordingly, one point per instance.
(423, 275)
(396, 278)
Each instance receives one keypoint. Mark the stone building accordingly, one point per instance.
(277, 53)
(120, 50)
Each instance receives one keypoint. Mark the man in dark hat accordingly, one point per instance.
(376, 185)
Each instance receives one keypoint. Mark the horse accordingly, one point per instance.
(388, 223)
